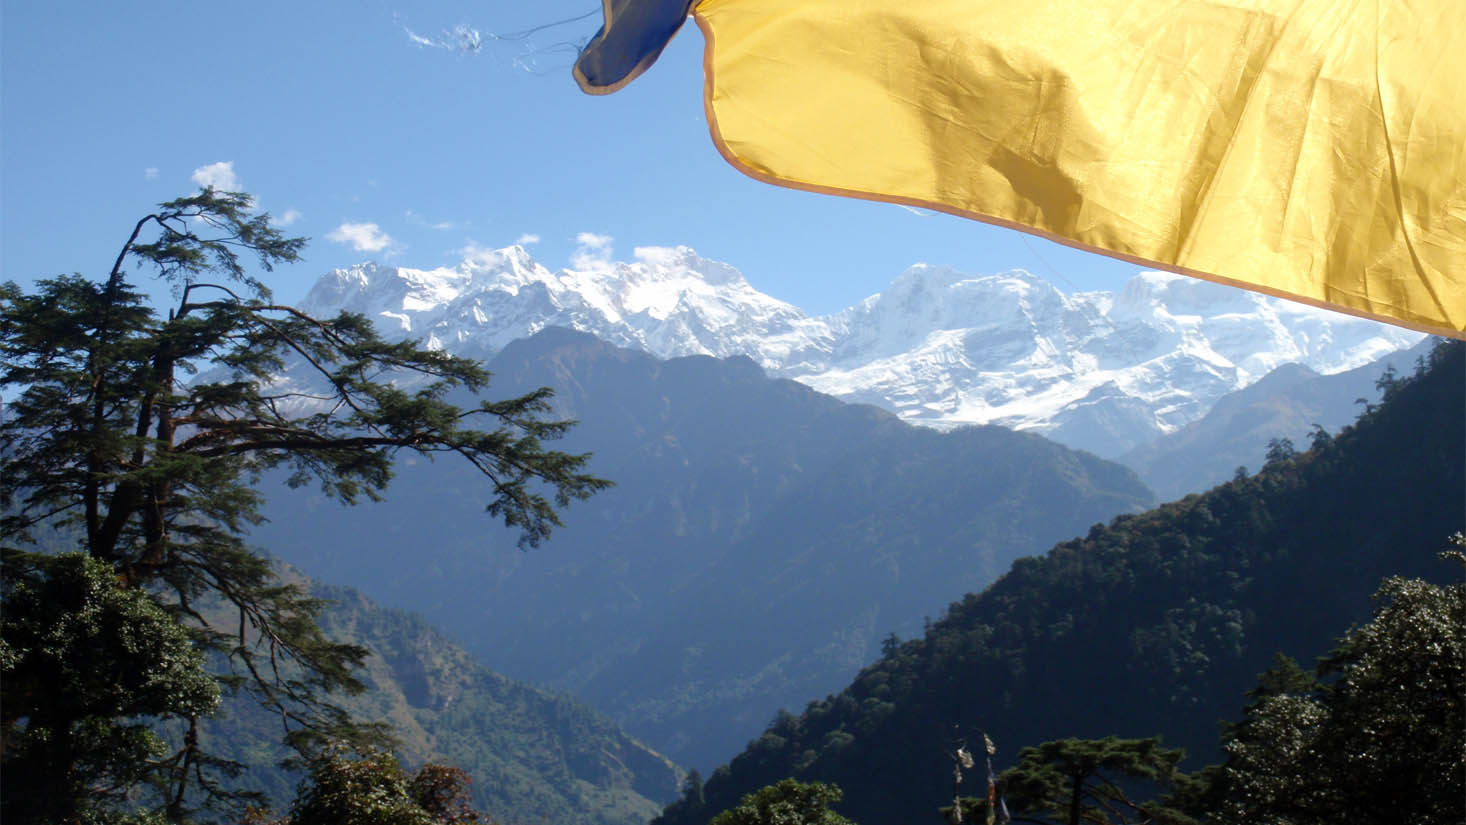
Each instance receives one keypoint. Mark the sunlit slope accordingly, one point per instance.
(533, 755)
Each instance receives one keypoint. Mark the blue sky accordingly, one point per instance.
(341, 116)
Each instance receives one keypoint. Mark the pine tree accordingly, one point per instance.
(108, 438)
(1074, 781)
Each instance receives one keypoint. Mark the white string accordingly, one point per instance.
(465, 39)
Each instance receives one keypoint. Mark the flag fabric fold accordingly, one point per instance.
(632, 36)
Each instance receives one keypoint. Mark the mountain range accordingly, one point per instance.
(761, 540)
(1100, 371)
(1155, 623)
(749, 506)
(1288, 404)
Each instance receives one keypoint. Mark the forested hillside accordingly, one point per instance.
(533, 756)
(760, 542)
(1152, 624)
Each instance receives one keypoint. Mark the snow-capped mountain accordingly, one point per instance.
(1095, 370)
(1100, 371)
(668, 302)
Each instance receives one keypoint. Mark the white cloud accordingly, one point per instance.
(150, 173)
(477, 255)
(363, 237)
(656, 254)
(593, 251)
(218, 175)
(475, 252)
(290, 216)
(441, 226)
(527, 238)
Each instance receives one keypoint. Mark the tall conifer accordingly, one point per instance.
(142, 434)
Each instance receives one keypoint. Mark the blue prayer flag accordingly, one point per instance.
(634, 34)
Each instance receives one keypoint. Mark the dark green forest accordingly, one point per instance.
(1157, 623)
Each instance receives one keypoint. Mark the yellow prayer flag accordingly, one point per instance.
(1311, 149)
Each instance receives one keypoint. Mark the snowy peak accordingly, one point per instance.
(668, 301)
(1092, 370)
(988, 322)
(1096, 370)
(373, 289)
(1248, 331)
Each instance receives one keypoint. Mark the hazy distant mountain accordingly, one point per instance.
(1286, 404)
(761, 540)
(1099, 371)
